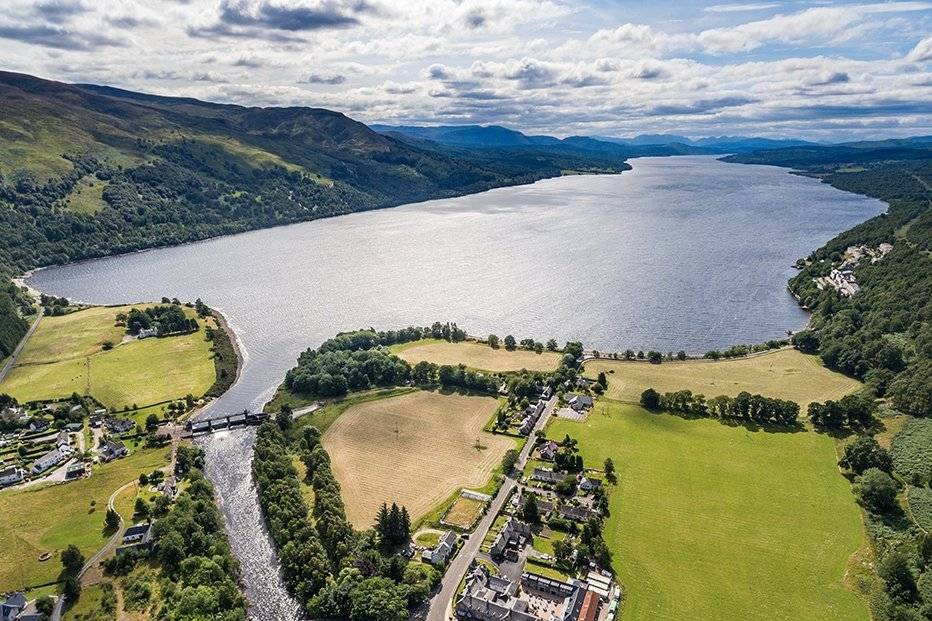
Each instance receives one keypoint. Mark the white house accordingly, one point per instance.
(11, 475)
(54, 457)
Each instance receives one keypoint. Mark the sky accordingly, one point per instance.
(816, 70)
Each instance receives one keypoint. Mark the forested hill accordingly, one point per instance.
(883, 333)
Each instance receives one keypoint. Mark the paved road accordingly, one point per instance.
(441, 604)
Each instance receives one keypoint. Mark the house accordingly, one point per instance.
(76, 470)
(74, 427)
(547, 476)
(548, 586)
(147, 333)
(12, 606)
(38, 424)
(168, 487)
(441, 554)
(548, 450)
(11, 475)
(136, 536)
(514, 534)
(579, 402)
(119, 425)
(546, 393)
(599, 583)
(54, 457)
(63, 439)
(577, 514)
(491, 598)
(588, 484)
(590, 607)
(112, 450)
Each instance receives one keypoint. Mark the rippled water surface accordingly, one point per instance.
(679, 253)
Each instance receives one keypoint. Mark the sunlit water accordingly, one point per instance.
(679, 253)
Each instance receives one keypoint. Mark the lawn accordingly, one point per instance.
(716, 522)
(414, 449)
(56, 360)
(476, 355)
(464, 513)
(47, 519)
(785, 374)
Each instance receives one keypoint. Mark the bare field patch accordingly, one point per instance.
(477, 356)
(414, 449)
(464, 513)
(785, 374)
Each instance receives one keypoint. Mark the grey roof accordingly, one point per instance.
(548, 476)
(579, 514)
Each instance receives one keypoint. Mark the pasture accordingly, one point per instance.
(57, 359)
(48, 518)
(414, 449)
(785, 374)
(476, 356)
(718, 523)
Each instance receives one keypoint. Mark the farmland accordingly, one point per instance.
(476, 356)
(56, 360)
(464, 512)
(47, 519)
(784, 374)
(715, 522)
(414, 449)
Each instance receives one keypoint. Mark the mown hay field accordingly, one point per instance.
(464, 512)
(477, 356)
(785, 374)
(716, 522)
(414, 449)
(56, 359)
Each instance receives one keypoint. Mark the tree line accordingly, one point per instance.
(742, 407)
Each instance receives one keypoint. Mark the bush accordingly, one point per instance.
(876, 490)
(650, 399)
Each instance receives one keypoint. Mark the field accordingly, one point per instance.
(716, 522)
(56, 359)
(414, 449)
(464, 513)
(785, 374)
(47, 519)
(477, 356)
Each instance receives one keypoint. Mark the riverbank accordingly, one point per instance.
(228, 356)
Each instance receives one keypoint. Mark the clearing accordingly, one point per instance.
(476, 356)
(716, 522)
(414, 449)
(785, 374)
(56, 359)
(47, 519)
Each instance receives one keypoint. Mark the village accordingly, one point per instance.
(842, 278)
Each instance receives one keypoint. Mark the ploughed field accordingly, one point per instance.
(56, 360)
(414, 449)
(715, 522)
(784, 374)
(476, 356)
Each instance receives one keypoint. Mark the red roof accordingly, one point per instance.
(590, 607)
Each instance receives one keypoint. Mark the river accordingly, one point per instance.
(678, 253)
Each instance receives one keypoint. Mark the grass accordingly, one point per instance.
(56, 360)
(544, 545)
(464, 513)
(91, 604)
(413, 449)
(428, 540)
(330, 412)
(716, 522)
(545, 570)
(912, 449)
(307, 491)
(476, 355)
(48, 519)
(785, 374)
(87, 196)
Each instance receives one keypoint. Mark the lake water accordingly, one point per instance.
(678, 253)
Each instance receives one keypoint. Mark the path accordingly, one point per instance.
(116, 538)
(441, 604)
(305, 410)
(11, 361)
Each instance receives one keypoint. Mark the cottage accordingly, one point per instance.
(63, 439)
(147, 333)
(515, 534)
(54, 457)
(112, 450)
(119, 425)
(547, 476)
(38, 424)
(588, 484)
(11, 475)
(579, 402)
(491, 598)
(577, 514)
(138, 536)
(548, 450)
(441, 554)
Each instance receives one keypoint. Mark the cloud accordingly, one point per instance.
(738, 8)
(58, 11)
(250, 62)
(253, 18)
(702, 106)
(58, 38)
(922, 52)
(835, 77)
(333, 79)
(394, 88)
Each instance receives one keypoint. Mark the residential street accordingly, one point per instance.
(441, 604)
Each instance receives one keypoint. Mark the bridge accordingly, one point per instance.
(225, 421)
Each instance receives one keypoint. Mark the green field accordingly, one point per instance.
(476, 356)
(716, 522)
(56, 360)
(47, 519)
(785, 374)
(87, 196)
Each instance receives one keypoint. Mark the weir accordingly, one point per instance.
(225, 421)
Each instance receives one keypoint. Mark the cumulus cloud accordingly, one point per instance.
(922, 52)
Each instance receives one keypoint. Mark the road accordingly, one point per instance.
(441, 603)
(115, 539)
(19, 348)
